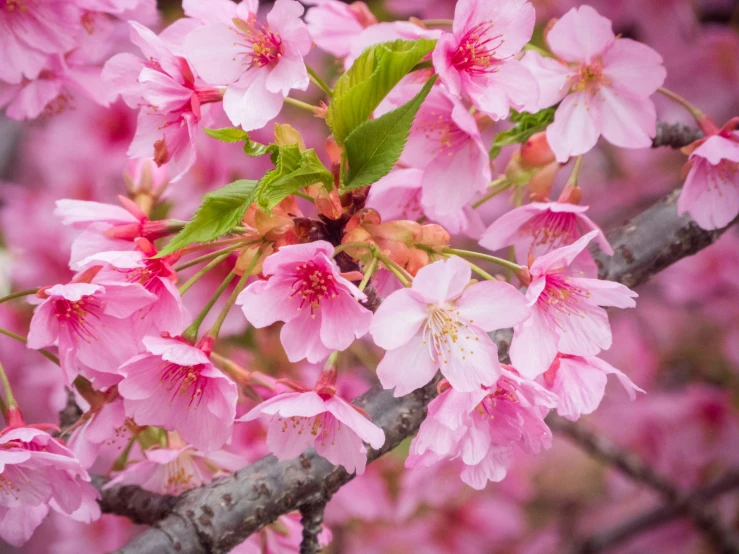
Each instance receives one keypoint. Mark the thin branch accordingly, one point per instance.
(675, 135)
(311, 519)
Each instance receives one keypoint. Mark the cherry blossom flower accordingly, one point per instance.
(580, 384)
(174, 385)
(603, 82)
(37, 472)
(91, 324)
(476, 59)
(540, 227)
(176, 469)
(304, 289)
(566, 311)
(318, 418)
(170, 96)
(101, 426)
(482, 428)
(711, 191)
(259, 64)
(334, 25)
(441, 323)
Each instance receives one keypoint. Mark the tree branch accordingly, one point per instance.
(675, 135)
(312, 518)
(137, 504)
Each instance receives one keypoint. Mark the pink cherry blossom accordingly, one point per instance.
(441, 323)
(477, 59)
(37, 472)
(334, 25)
(603, 82)
(259, 64)
(482, 428)
(92, 326)
(176, 469)
(174, 385)
(299, 420)
(304, 289)
(445, 143)
(387, 31)
(100, 427)
(540, 227)
(282, 537)
(566, 312)
(711, 191)
(170, 96)
(580, 384)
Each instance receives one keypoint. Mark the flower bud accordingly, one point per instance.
(536, 152)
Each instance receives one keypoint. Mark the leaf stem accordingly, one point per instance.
(302, 105)
(320, 83)
(368, 272)
(208, 256)
(480, 256)
(48, 355)
(697, 114)
(18, 294)
(403, 276)
(575, 175)
(496, 187)
(195, 278)
(191, 333)
(304, 196)
(214, 244)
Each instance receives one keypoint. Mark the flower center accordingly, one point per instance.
(12, 479)
(13, 5)
(439, 128)
(447, 335)
(184, 381)
(560, 298)
(551, 230)
(72, 316)
(313, 284)
(264, 46)
(588, 77)
(476, 50)
(323, 427)
(726, 173)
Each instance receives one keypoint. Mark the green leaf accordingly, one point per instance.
(372, 75)
(232, 134)
(295, 170)
(374, 147)
(526, 124)
(220, 212)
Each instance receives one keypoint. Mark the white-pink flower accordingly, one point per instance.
(580, 384)
(566, 312)
(92, 325)
(37, 472)
(711, 191)
(258, 64)
(477, 59)
(174, 385)
(305, 289)
(540, 227)
(299, 420)
(333, 25)
(603, 82)
(441, 323)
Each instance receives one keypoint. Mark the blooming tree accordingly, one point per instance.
(315, 205)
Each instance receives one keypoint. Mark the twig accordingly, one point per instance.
(311, 519)
(675, 135)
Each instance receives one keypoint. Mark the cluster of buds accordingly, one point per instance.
(534, 165)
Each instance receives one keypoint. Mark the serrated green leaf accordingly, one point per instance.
(295, 170)
(227, 134)
(220, 212)
(256, 149)
(372, 75)
(526, 125)
(374, 147)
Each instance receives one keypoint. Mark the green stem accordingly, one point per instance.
(575, 175)
(481, 272)
(368, 272)
(214, 244)
(339, 249)
(120, 461)
(694, 111)
(206, 257)
(18, 294)
(437, 22)
(320, 83)
(403, 276)
(496, 187)
(3, 407)
(195, 278)
(10, 399)
(304, 196)
(48, 355)
(480, 256)
(191, 333)
(302, 105)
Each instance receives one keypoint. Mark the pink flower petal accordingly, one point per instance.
(576, 127)
(634, 67)
(407, 368)
(628, 121)
(493, 305)
(580, 35)
(398, 319)
(442, 281)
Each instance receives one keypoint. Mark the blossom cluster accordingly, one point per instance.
(345, 246)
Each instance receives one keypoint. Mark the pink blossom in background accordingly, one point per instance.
(281, 537)
(540, 227)
(441, 323)
(37, 473)
(333, 25)
(304, 288)
(566, 312)
(258, 64)
(603, 82)
(101, 427)
(175, 386)
(299, 420)
(477, 60)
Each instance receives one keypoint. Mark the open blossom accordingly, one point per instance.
(603, 81)
(176, 469)
(174, 385)
(333, 25)
(566, 311)
(711, 191)
(540, 227)
(259, 64)
(318, 418)
(320, 308)
(482, 428)
(170, 96)
(441, 323)
(37, 472)
(476, 60)
(91, 324)
(101, 426)
(580, 384)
